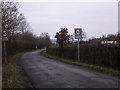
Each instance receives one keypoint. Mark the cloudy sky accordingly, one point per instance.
(95, 18)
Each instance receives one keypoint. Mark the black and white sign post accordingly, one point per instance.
(78, 35)
(4, 39)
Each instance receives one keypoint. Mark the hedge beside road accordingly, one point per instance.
(103, 55)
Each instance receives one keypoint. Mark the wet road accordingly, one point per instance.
(47, 73)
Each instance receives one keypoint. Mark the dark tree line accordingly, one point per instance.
(43, 40)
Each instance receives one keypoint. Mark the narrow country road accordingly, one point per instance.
(47, 73)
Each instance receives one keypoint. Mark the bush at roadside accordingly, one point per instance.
(103, 55)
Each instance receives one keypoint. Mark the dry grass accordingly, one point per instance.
(12, 73)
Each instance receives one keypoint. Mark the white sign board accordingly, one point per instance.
(78, 33)
(4, 38)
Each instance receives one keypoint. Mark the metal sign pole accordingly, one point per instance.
(4, 51)
(78, 35)
(78, 51)
(4, 38)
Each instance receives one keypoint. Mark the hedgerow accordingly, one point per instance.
(103, 55)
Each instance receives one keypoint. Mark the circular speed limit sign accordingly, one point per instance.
(78, 33)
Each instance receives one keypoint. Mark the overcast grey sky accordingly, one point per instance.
(95, 18)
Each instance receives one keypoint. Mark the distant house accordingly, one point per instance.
(110, 39)
(95, 41)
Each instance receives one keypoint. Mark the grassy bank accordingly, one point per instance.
(13, 76)
(90, 66)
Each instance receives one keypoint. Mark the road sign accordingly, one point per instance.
(4, 36)
(4, 33)
(78, 33)
(4, 39)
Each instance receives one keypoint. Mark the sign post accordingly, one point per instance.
(78, 35)
(78, 51)
(4, 39)
(4, 42)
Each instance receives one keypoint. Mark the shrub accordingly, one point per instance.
(103, 55)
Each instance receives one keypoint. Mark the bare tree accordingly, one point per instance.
(10, 17)
(19, 32)
(43, 40)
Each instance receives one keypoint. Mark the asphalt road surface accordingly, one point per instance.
(48, 73)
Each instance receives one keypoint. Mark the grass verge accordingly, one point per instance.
(12, 73)
(90, 66)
